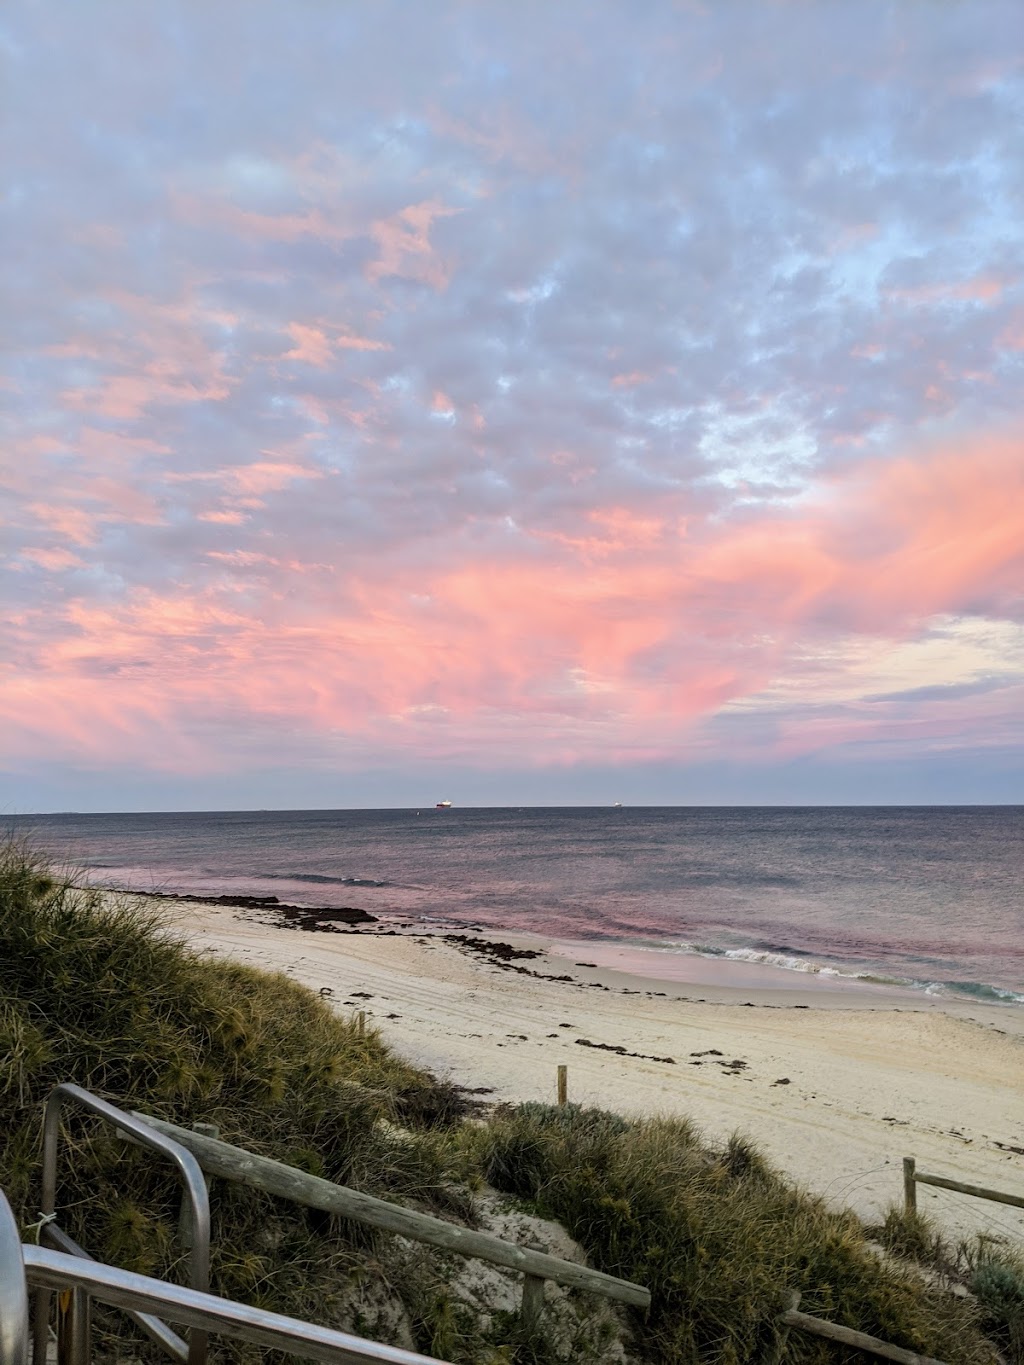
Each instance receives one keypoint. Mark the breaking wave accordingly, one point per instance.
(794, 960)
(318, 879)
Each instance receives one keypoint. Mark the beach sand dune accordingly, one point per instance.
(834, 1082)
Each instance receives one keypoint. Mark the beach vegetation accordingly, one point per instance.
(997, 1282)
(721, 1240)
(913, 1236)
(100, 993)
(97, 991)
(990, 1267)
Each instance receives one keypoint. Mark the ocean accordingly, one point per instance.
(926, 897)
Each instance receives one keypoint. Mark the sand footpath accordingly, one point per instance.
(834, 1082)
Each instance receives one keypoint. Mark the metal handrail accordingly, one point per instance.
(13, 1291)
(195, 1191)
(164, 1336)
(206, 1313)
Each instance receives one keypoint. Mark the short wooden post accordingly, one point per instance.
(210, 1130)
(563, 1085)
(909, 1185)
(533, 1301)
(361, 1023)
(781, 1345)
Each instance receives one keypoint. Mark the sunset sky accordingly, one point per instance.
(511, 402)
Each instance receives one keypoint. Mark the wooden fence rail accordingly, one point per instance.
(848, 1336)
(834, 1331)
(273, 1177)
(912, 1177)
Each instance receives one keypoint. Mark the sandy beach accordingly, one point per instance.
(836, 1081)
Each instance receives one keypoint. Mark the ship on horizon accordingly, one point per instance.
(443, 805)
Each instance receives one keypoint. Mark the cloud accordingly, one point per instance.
(528, 388)
(616, 642)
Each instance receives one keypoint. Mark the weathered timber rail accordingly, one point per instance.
(274, 1177)
(848, 1336)
(912, 1177)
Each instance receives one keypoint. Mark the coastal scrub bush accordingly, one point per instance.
(998, 1285)
(992, 1269)
(719, 1238)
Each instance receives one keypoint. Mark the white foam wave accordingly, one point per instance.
(789, 964)
(784, 961)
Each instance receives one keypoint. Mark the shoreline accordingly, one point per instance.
(727, 971)
(834, 1086)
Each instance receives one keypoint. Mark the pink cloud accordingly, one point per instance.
(266, 476)
(1011, 338)
(404, 248)
(245, 224)
(224, 517)
(311, 346)
(979, 289)
(72, 523)
(345, 341)
(154, 353)
(317, 345)
(53, 560)
(615, 641)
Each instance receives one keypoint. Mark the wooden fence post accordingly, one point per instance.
(533, 1301)
(909, 1185)
(563, 1085)
(210, 1130)
(361, 1023)
(781, 1345)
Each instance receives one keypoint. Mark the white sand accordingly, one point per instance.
(872, 1075)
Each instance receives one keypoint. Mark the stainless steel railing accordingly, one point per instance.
(75, 1326)
(44, 1270)
(207, 1313)
(13, 1291)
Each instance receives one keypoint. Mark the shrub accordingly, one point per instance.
(998, 1284)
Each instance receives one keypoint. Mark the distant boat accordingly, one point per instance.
(443, 805)
(616, 805)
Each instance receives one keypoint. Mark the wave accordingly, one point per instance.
(977, 990)
(774, 958)
(794, 960)
(319, 879)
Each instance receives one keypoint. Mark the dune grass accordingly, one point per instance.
(990, 1266)
(720, 1239)
(100, 993)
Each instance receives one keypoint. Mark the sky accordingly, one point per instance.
(511, 402)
